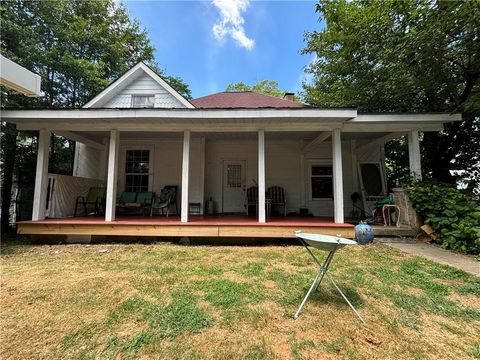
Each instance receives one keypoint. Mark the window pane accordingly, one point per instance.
(322, 187)
(234, 176)
(322, 170)
(143, 101)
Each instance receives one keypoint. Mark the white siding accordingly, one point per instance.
(283, 168)
(166, 165)
(89, 162)
(142, 85)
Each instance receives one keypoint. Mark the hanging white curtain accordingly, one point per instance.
(63, 192)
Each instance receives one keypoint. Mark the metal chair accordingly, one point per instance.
(163, 202)
(95, 197)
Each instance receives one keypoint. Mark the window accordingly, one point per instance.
(234, 175)
(143, 101)
(137, 170)
(322, 182)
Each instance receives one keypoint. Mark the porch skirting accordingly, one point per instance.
(196, 227)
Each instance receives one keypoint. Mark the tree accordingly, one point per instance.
(404, 56)
(267, 87)
(78, 48)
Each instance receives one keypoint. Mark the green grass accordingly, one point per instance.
(164, 301)
(181, 315)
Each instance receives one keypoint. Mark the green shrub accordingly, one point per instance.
(453, 214)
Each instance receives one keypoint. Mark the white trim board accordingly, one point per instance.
(18, 78)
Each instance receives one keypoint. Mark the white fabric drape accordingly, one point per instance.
(62, 197)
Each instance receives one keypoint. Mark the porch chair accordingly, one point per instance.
(174, 189)
(277, 196)
(167, 197)
(95, 197)
(127, 201)
(145, 199)
(251, 197)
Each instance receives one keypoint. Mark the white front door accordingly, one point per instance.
(233, 186)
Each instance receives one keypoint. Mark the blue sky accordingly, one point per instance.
(211, 44)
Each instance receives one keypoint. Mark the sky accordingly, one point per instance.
(211, 44)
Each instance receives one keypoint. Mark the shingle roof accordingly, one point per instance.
(244, 99)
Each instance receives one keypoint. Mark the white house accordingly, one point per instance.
(216, 147)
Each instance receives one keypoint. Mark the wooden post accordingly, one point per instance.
(414, 154)
(261, 176)
(41, 176)
(185, 175)
(113, 151)
(337, 176)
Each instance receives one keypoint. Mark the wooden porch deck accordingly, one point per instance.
(198, 226)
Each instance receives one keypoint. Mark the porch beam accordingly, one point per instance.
(185, 175)
(41, 176)
(261, 177)
(112, 173)
(414, 155)
(81, 139)
(378, 142)
(324, 135)
(337, 176)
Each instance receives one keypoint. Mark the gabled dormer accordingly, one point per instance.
(139, 87)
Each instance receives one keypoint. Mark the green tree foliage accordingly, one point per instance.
(78, 48)
(267, 87)
(404, 56)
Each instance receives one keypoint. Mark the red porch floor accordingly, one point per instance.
(216, 226)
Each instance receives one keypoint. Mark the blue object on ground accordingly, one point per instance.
(364, 233)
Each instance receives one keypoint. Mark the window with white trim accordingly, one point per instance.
(321, 181)
(137, 165)
(143, 101)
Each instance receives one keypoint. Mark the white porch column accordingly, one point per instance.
(337, 176)
(185, 175)
(113, 151)
(261, 176)
(414, 154)
(41, 176)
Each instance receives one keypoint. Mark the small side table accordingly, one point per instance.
(195, 208)
(387, 219)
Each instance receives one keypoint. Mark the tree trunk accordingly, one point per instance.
(9, 148)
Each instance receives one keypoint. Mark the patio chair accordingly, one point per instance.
(167, 197)
(145, 199)
(95, 197)
(277, 196)
(127, 201)
(174, 189)
(251, 198)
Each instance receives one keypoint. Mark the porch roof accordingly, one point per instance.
(268, 119)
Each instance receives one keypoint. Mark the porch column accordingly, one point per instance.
(185, 175)
(261, 176)
(113, 150)
(41, 176)
(337, 176)
(414, 154)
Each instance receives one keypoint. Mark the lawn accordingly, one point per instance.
(166, 301)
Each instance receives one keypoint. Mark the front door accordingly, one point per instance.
(233, 186)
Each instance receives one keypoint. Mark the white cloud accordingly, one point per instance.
(231, 21)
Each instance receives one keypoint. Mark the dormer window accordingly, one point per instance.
(143, 101)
